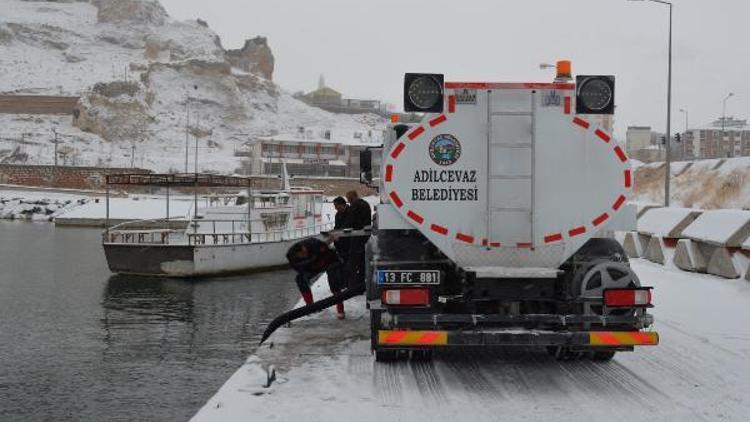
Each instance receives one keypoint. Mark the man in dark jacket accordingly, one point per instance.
(309, 258)
(361, 217)
(361, 213)
(342, 221)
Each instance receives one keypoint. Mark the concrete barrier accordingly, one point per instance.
(723, 265)
(642, 208)
(634, 245)
(663, 227)
(718, 235)
(655, 251)
(689, 257)
(725, 228)
(660, 250)
(666, 222)
(679, 171)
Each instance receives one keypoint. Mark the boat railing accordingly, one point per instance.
(206, 232)
(241, 237)
(163, 229)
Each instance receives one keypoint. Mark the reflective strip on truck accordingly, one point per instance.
(623, 338)
(412, 338)
(530, 338)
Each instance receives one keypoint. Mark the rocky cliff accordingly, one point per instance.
(145, 80)
(254, 57)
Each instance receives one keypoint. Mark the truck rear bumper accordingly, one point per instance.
(426, 338)
(433, 321)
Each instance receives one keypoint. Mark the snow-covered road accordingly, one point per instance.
(324, 371)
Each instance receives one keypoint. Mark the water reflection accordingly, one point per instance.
(145, 317)
(77, 343)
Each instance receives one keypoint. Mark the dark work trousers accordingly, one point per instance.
(356, 262)
(303, 280)
(335, 278)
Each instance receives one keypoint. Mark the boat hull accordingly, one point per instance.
(196, 260)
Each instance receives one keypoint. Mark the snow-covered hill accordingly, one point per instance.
(140, 73)
(705, 184)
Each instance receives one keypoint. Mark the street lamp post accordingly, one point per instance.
(187, 130)
(724, 122)
(55, 132)
(668, 136)
(187, 125)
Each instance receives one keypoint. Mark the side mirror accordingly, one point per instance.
(365, 166)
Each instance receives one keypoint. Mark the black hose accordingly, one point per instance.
(311, 309)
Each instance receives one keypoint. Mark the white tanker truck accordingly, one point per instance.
(496, 220)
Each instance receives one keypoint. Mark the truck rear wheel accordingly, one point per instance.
(604, 356)
(563, 353)
(421, 354)
(386, 355)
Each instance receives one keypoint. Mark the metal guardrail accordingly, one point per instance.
(184, 179)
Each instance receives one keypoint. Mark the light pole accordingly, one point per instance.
(187, 130)
(684, 110)
(668, 136)
(724, 122)
(187, 126)
(197, 134)
(54, 130)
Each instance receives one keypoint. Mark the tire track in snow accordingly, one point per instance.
(469, 374)
(703, 340)
(387, 383)
(600, 380)
(359, 365)
(427, 380)
(703, 387)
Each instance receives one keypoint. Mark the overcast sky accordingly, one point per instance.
(365, 47)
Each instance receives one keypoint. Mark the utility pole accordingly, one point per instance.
(668, 135)
(187, 127)
(55, 132)
(197, 134)
(669, 115)
(187, 131)
(132, 156)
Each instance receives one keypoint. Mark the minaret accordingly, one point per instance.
(322, 81)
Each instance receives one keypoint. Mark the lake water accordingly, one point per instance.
(78, 343)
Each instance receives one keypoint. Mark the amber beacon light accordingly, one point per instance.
(564, 69)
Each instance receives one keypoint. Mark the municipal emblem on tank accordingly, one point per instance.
(445, 150)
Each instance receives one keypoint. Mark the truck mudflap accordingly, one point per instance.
(422, 338)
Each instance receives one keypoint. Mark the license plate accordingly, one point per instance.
(408, 277)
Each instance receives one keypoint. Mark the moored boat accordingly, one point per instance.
(247, 230)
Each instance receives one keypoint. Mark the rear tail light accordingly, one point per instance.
(406, 297)
(639, 297)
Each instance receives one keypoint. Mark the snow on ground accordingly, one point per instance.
(324, 371)
(50, 204)
(37, 205)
